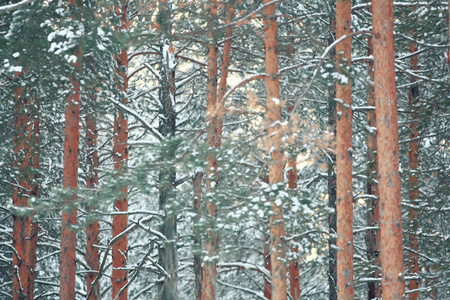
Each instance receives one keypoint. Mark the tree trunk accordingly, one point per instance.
(294, 268)
(168, 257)
(344, 207)
(22, 149)
(70, 182)
(32, 245)
(373, 209)
(413, 191)
(198, 273)
(92, 227)
(277, 243)
(391, 244)
(210, 264)
(224, 76)
(332, 254)
(120, 149)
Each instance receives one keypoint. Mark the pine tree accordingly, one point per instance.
(120, 151)
(391, 244)
(209, 285)
(344, 190)
(373, 208)
(22, 148)
(277, 243)
(70, 177)
(198, 271)
(92, 228)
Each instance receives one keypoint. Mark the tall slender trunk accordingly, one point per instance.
(373, 209)
(32, 245)
(277, 243)
(268, 267)
(332, 254)
(391, 244)
(413, 191)
(198, 272)
(223, 77)
(344, 207)
(120, 149)
(70, 178)
(210, 264)
(92, 227)
(215, 113)
(168, 257)
(294, 267)
(22, 166)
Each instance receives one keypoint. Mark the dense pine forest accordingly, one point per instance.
(212, 149)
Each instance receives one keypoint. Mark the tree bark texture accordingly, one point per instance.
(391, 244)
(70, 178)
(120, 149)
(413, 189)
(344, 205)
(92, 228)
(22, 166)
(294, 267)
(294, 264)
(32, 245)
(210, 263)
(223, 77)
(198, 272)
(168, 257)
(373, 209)
(277, 244)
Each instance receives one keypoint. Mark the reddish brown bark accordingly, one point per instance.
(92, 228)
(223, 77)
(70, 178)
(391, 244)
(344, 206)
(373, 209)
(215, 113)
(198, 273)
(120, 149)
(277, 243)
(210, 265)
(294, 267)
(413, 155)
(22, 166)
(32, 244)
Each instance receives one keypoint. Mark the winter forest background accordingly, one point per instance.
(144, 148)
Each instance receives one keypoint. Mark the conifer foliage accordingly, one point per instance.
(216, 149)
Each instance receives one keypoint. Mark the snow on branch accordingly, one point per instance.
(402, 4)
(243, 82)
(14, 6)
(245, 266)
(257, 294)
(138, 117)
(321, 60)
